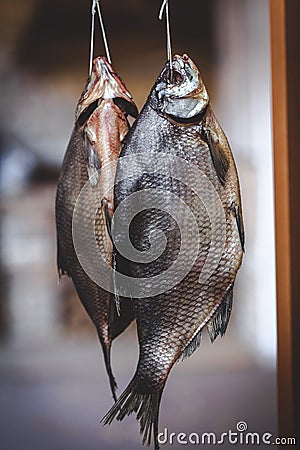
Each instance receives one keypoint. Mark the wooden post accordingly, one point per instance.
(286, 129)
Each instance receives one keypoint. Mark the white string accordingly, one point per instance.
(96, 4)
(165, 7)
(103, 32)
(92, 36)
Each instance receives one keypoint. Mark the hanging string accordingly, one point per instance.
(103, 32)
(96, 5)
(92, 36)
(165, 7)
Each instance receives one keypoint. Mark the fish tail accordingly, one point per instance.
(146, 407)
(112, 380)
(107, 362)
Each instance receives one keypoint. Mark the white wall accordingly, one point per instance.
(243, 106)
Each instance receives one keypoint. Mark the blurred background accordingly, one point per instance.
(53, 387)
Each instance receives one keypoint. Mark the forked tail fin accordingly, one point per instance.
(146, 407)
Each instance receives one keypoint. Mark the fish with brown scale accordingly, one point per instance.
(177, 120)
(100, 127)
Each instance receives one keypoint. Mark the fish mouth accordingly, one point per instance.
(180, 89)
(104, 84)
(183, 70)
(173, 76)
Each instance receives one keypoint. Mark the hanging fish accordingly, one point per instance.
(178, 121)
(100, 127)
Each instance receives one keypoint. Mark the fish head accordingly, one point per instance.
(104, 84)
(180, 92)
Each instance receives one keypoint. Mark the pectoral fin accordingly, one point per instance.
(219, 158)
(92, 161)
(126, 106)
(240, 223)
(86, 114)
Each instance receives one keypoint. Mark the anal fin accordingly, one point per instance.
(218, 324)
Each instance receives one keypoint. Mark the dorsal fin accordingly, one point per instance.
(218, 324)
(192, 346)
(240, 223)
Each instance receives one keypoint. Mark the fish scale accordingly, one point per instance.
(169, 325)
